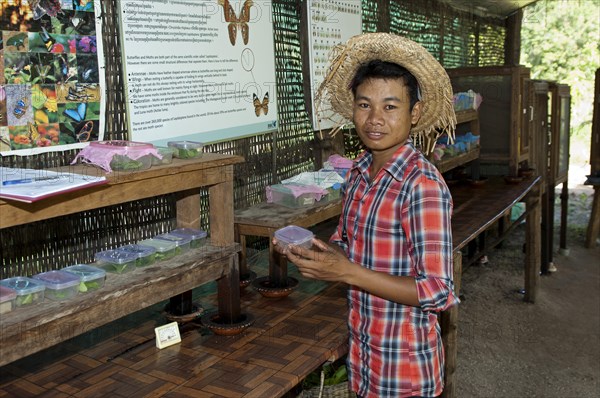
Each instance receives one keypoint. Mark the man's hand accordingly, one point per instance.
(322, 261)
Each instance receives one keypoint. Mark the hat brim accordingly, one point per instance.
(437, 114)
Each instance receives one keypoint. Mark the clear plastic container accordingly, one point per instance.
(282, 195)
(146, 255)
(60, 285)
(29, 291)
(90, 278)
(7, 299)
(197, 236)
(186, 149)
(166, 153)
(116, 262)
(334, 192)
(182, 244)
(293, 235)
(164, 249)
(126, 155)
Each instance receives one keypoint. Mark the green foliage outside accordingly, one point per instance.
(560, 41)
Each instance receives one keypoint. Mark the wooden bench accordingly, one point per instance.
(264, 219)
(475, 211)
(28, 330)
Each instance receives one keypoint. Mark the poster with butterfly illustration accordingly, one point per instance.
(200, 71)
(50, 75)
(330, 23)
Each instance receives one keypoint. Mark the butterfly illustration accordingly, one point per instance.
(84, 134)
(17, 40)
(258, 105)
(77, 114)
(76, 95)
(20, 108)
(34, 134)
(47, 39)
(235, 22)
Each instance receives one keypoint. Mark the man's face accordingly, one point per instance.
(382, 115)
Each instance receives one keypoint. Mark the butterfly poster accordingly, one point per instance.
(50, 75)
(330, 23)
(202, 79)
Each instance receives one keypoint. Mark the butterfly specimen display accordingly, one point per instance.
(234, 22)
(261, 106)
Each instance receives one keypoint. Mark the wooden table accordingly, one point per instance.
(28, 330)
(475, 211)
(264, 219)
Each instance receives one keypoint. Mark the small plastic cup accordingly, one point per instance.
(164, 249)
(90, 278)
(197, 236)
(7, 299)
(146, 255)
(29, 291)
(60, 285)
(182, 244)
(186, 149)
(293, 235)
(116, 262)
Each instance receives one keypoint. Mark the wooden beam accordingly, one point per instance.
(512, 41)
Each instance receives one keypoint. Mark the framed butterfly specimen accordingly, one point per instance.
(236, 23)
(77, 114)
(261, 106)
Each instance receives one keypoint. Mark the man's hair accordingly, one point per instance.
(377, 69)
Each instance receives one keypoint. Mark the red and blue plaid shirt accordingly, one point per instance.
(399, 224)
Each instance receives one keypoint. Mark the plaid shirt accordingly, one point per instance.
(398, 224)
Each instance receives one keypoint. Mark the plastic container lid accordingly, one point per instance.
(57, 280)
(23, 285)
(115, 257)
(178, 240)
(85, 272)
(294, 235)
(7, 294)
(161, 245)
(185, 144)
(137, 249)
(190, 233)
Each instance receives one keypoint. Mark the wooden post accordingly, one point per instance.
(222, 234)
(512, 42)
(533, 244)
(593, 228)
(564, 210)
(449, 324)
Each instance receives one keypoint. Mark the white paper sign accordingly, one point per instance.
(331, 23)
(198, 70)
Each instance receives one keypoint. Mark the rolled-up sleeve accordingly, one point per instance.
(429, 215)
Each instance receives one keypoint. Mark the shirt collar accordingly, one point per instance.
(395, 166)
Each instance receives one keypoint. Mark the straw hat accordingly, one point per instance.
(334, 94)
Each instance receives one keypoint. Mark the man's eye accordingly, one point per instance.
(390, 107)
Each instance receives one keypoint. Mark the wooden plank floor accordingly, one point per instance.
(290, 338)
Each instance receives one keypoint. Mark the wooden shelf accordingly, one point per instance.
(452, 162)
(448, 163)
(466, 116)
(51, 322)
(28, 330)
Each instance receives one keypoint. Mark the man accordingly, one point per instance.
(393, 244)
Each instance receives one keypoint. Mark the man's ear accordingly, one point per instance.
(415, 113)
